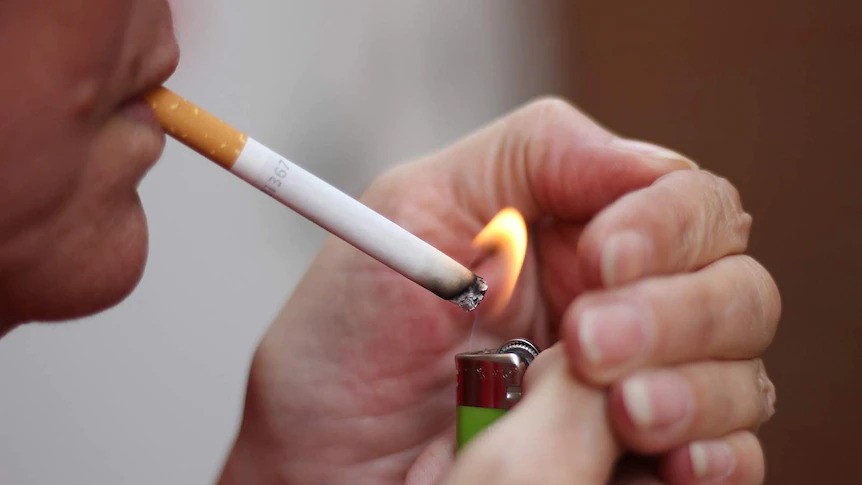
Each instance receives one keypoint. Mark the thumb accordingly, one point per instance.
(557, 434)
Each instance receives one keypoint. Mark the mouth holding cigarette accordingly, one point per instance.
(318, 201)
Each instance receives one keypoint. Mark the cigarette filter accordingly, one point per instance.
(489, 384)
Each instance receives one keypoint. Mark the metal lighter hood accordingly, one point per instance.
(490, 383)
(489, 379)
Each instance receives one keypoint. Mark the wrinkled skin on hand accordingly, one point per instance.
(354, 382)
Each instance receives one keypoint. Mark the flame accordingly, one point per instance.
(506, 235)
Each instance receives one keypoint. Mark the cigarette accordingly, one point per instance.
(323, 204)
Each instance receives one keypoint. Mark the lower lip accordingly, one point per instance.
(140, 111)
(143, 122)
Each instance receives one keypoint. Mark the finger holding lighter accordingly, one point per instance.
(564, 418)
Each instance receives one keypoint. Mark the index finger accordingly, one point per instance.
(547, 159)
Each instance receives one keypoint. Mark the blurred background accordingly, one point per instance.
(767, 95)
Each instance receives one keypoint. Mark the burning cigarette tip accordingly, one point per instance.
(470, 298)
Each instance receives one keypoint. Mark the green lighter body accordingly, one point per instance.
(470, 420)
(489, 384)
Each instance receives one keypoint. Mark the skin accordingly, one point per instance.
(73, 236)
(353, 382)
(365, 393)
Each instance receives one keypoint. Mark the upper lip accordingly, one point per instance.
(161, 71)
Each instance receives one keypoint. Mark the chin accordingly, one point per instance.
(99, 268)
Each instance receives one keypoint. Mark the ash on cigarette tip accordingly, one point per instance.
(470, 298)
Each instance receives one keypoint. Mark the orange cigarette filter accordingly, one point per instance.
(196, 128)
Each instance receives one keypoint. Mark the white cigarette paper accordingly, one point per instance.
(350, 220)
(318, 201)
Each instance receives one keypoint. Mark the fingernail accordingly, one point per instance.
(654, 153)
(658, 400)
(612, 334)
(624, 257)
(711, 461)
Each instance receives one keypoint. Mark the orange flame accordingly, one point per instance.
(506, 235)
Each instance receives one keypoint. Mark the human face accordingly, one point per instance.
(76, 143)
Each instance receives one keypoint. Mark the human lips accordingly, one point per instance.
(146, 137)
(135, 122)
(138, 110)
(164, 62)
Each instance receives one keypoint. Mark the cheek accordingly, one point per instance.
(64, 53)
(39, 171)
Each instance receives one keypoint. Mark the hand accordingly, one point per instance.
(355, 378)
(558, 433)
(677, 295)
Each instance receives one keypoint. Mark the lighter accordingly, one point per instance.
(489, 384)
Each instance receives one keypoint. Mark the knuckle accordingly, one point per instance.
(741, 227)
(693, 234)
(540, 134)
(765, 391)
(732, 193)
(550, 108)
(731, 213)
(708, 211)
(548, 124)
(729, 396)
